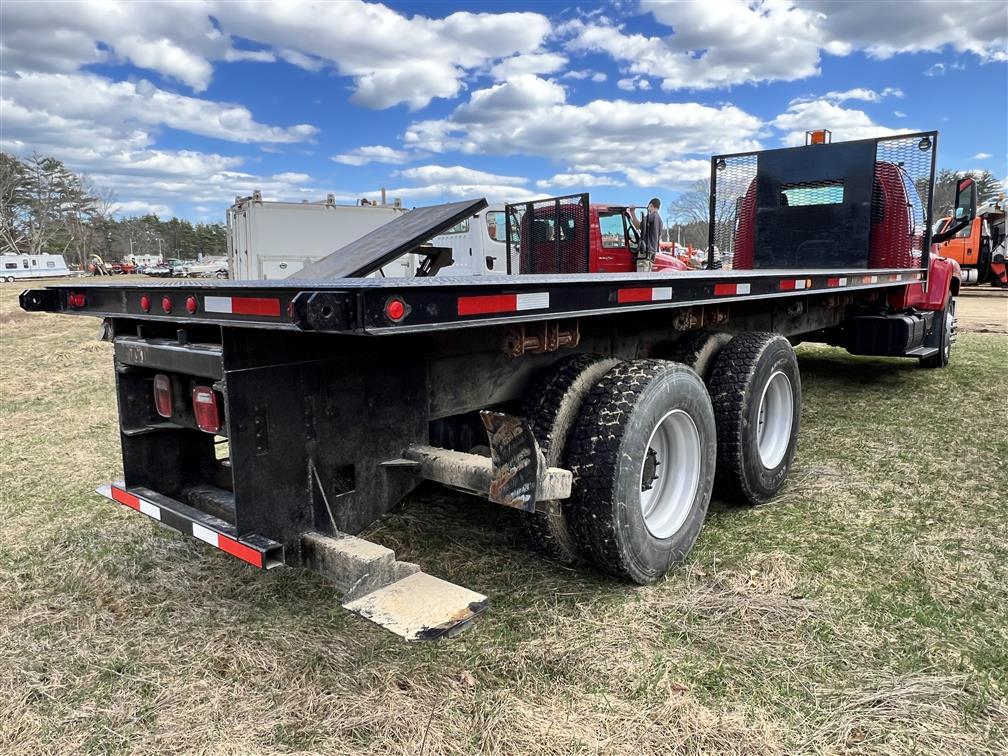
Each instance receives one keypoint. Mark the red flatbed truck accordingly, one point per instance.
(276, 419)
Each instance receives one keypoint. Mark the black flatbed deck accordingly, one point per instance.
(361, 305)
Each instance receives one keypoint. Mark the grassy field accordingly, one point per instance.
(863, 611)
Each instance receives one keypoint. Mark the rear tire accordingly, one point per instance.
(698, 350)
(756, 390)
(643, 455)
(551, 408)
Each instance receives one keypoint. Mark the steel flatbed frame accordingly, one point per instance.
(359, 306)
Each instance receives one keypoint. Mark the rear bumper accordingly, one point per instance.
(256, 550)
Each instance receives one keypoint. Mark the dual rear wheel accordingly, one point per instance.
(648, 447)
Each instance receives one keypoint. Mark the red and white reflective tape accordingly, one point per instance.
(182, 524)
(792, 284)
(134, 502)
(731, 289)
(242, 305)
(496, 303)
(230, 545)
(644, 294)
(831, 282)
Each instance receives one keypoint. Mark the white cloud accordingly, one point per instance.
(127, 104)
(701, 45)
(863, 94)
(899, 114)
(937, 69)
(372, 154)
(628, 85)
(585, 73)
(137, 207)
(446, 182)
(714, 44)
(177, 40)
(982, 156)
(531, 63)
(577, 180)
(531, 116)
(889, 27)
(391, 57)
(670, 173)
(846, 124)
(440, 174)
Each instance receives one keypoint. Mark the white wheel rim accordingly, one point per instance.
(666, 499)
(776, 415)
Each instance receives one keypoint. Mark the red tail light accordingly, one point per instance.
(166, 303)
(145, 303)
(191, 305)
(163, 395)
(76, 300)
(204, 400)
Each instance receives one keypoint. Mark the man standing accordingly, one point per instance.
(650, 230)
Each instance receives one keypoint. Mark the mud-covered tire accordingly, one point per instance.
(756, 390)
(698, 350)
(551, 408)
(608, 452)
(946, 337)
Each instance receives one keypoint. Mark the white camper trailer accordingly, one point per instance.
(19, 267)
(272, 240)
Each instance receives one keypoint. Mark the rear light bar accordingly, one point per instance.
(163, 395)
(205, 409)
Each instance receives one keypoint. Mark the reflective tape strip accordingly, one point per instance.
(242, 305)
(218, 540)
(644, 294)
(135, 502)
(217, 304)
(792, 284)
(495, 303)
(533, 301)
(731, 289)
(225, 543)
(626, 296)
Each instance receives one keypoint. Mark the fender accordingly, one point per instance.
(943, 280)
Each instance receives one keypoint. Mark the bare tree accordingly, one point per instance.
(12, 203)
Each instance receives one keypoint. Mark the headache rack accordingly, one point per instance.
(860, 204)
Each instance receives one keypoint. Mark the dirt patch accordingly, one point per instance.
(982, 310)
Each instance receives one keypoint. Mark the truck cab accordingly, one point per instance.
(572, 235)
(614, 241)
(979, 246)
(478, 245)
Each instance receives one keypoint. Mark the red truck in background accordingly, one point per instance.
(563, 242)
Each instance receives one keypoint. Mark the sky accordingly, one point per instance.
(179, 108)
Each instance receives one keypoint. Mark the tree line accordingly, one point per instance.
(689, 213)
(47, 208)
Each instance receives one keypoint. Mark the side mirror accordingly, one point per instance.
(966, 200)
(964, 212)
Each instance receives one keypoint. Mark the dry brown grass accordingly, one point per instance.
(862, 612)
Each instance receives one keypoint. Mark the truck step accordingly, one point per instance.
(922, 351)
(390, 593)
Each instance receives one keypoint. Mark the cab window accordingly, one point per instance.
(495, 226)
(459, 228)
(611, 226)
